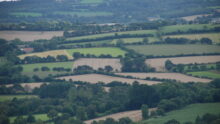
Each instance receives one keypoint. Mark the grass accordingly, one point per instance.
(153, 32)
(84, 13)
(11, 97)
(113, 51)
(171, 50)
(215, 37)
(184, 28)
(26, 14)
(42, 117)
(188, 113)
(91, 1)
(208, 74)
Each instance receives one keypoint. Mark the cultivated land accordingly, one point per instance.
(193, 17)
(11, 97)
(29, 35)
(172, 50)
(208, 74)
(53, 53)
(42, 117)
(159, 63)
(153, 32)
(172, 76)
(96, 78)
(133, 115)
(113, 51)
(84, 13)
(188, 113)
(215, 37)
(97, 63)
(26, 14)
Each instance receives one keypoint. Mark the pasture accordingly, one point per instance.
(159, 63)
(96, 78)
(113, 51)
(29, 35)
(42, 117)
(171, 76)
(215, 37)
(173, 50)
(208, 74)
(11, 97)
(186, 114)
(97, 63)
(84, 13)
(26, 14)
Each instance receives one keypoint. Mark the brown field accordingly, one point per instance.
(192, 18)
(173, 76)
(29, 35)
(159, 63)
(133, 115)
(96, 78)
(96, 63)
(53, 53)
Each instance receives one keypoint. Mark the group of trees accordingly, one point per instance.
(187, 41)
(36, 59)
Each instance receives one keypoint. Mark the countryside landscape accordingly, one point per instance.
(109, 62)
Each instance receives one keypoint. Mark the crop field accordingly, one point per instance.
(134, 115)
(96, 78)
(159, 63)
(53, 53)
(184, 28)
(172, 76)
(97, 63)
(193, 17)
(96, 43)
(113, 51)
(153, 32)
(29, 35)
(172, 50)
(208, 74)
(215, 37)
(26, 14)
(10, 97)
(42, 117)
(84, 13)
(188, 113)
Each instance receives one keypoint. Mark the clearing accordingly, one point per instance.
(96, 78)
(172, 76)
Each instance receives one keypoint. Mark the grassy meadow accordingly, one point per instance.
(188, 113)
(208, 74)
(26, 14)
(42, 117)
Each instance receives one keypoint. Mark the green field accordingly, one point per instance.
(10, 97)
(166, 50)
(91, 1)
(208, 74)
(215, 37)
(189, 113)
(42, 117)
(184, 28)
(26, 14)
(113, 51)
(153, 32)
(84, 13)
(96, 43)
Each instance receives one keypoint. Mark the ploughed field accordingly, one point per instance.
(29, 35)
(172, 76)
(159, 63)
(99, 78)
(97, 63)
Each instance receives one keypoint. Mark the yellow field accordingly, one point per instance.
(215, 37)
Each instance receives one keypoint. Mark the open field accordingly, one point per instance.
(215, 37)
(29, 35)
(53, 53)
(84, 13)
(193, 17)
(171, 50)
(159, 63)
(172, 76)
(97, 63)
(96, 78)
(208, 74)
(153, 32)
(188, 113)
(42, 117)
(11, 97)
(96, 43)
(134, 115)
(26, 14)
(91, 1)
(184, 28)
(113, 51)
